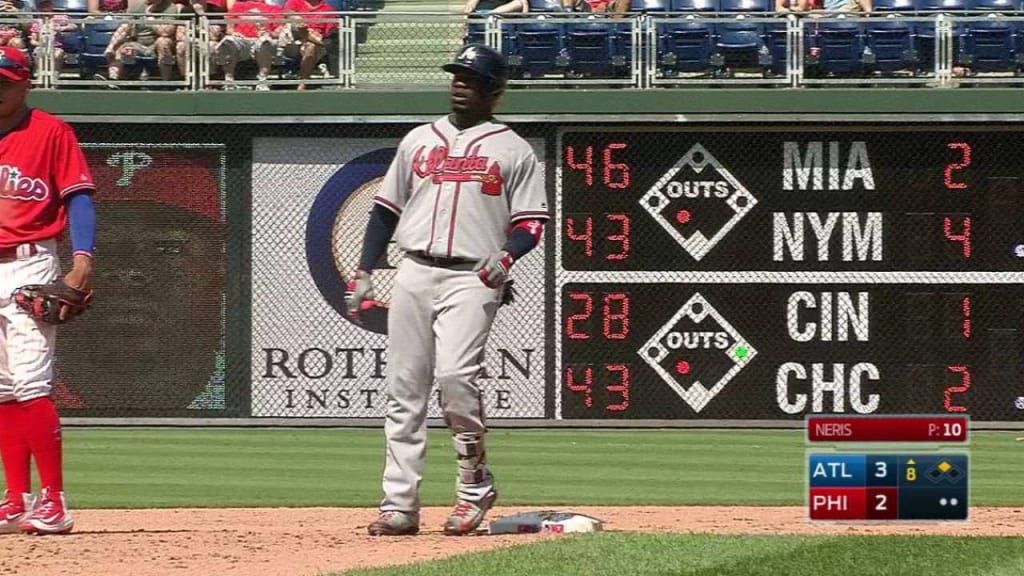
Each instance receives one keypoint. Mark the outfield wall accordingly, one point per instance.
(718, 257)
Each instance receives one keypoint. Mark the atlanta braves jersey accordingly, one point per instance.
(457, 191)
(40, 164)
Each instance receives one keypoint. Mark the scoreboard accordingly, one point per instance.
(777, 272)
(928, 480)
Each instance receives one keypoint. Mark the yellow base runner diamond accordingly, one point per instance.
(945, 466)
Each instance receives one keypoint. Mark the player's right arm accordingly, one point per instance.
(387, 207)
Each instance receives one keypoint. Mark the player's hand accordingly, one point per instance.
(79, 278)
(359, 294)
(494, 269)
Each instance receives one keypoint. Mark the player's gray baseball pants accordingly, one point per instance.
(438, 325)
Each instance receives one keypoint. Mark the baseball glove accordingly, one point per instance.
(55, 303)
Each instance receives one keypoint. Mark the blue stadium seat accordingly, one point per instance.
(96, 37)
(73, 44)
(839, 47)
(993, 45)
(890, 40)
(741, 43)
(687, 45)
(590, 47)
(537, 49)
(476, 30)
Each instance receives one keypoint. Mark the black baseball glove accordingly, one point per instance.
(55, 303)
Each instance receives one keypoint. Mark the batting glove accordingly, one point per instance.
(359, 293)
(493, 270)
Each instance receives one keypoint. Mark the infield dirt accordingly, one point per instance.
(307, 541)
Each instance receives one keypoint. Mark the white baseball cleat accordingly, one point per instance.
(50, 516)
(12, 512)
(467, 516)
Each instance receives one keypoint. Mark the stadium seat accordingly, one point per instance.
(476, 30)
(993, 45)
(838, 48)
(889, 39)
(741, 43)
(73, 44)
(537, 49)
(96, 37)
(687, 45)
(590, 47)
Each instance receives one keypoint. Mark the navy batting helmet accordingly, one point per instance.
(480, 60)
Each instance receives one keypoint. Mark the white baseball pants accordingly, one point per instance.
(438, 325)
(26, 346)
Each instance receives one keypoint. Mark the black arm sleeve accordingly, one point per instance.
(379, 231)
(519, 243)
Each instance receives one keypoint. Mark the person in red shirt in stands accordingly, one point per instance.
(253, 31)
(310, 38)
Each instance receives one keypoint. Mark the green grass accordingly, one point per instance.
(699, 555)
(112, 468)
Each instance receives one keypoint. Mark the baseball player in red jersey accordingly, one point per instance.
(465, 198)
(44, 182)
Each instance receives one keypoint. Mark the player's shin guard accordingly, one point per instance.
(474, 477)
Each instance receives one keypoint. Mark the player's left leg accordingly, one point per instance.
(30, 349)
(466, 313)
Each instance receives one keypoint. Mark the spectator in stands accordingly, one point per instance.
(309, 41)
(250, 35)
(203, 6)
(847, 5)
(495, 6)
(106, 6)
(792, 5)
(133, 39)
(12, 34)
(59, 23)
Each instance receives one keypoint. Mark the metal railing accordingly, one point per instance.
(395, 50)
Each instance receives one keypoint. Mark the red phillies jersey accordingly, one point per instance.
(40, 164)
(324, 28)
(246, 12)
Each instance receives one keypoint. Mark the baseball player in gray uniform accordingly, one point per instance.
(465, 199)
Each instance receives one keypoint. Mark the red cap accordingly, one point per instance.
(14, 64)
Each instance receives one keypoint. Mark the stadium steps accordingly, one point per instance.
(403, 51)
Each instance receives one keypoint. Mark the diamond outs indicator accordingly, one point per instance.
(697, 352)
(697, 201)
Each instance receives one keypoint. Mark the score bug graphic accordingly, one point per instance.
(697, 201)
(697, 352)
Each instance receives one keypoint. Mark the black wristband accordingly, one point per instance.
(519, 243)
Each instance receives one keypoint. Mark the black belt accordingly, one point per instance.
(440, 262)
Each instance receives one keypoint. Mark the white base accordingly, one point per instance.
(545, 521)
